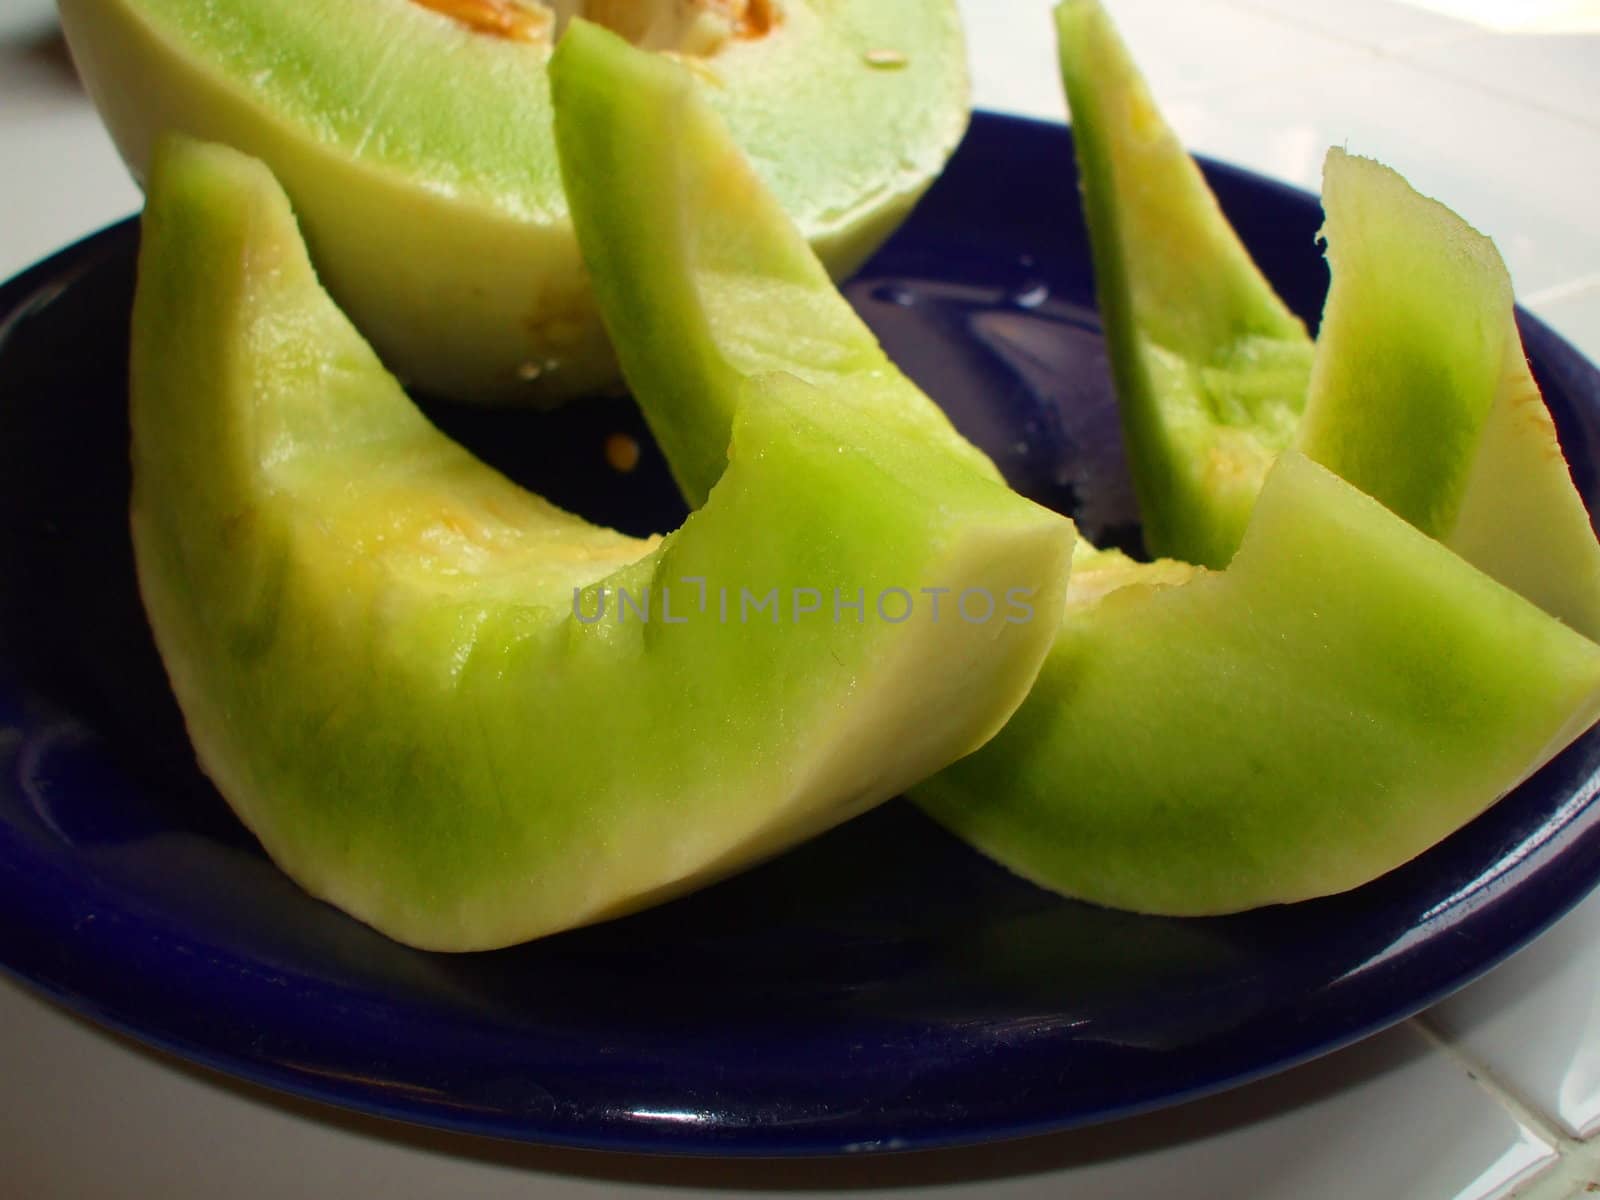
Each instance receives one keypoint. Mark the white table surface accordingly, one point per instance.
(1489, 1095)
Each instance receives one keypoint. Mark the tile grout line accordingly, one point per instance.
(1222, 88)
(1525, 1112)
(1398, 51)
(1577, 1162)
(1557, 292)
(1518, 99)
(1379, 49)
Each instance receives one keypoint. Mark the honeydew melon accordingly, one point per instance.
(414, 139)
(1343, 695)
(422, 687)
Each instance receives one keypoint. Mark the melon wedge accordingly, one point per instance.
(469, 718)
(1418, 390)
(414, 139)
(1422, 397)
(1209, 364)
(702, 279)
(1340, 698)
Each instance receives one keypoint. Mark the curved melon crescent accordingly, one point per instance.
(1418, 391)
(373, 639)
(1344, 695)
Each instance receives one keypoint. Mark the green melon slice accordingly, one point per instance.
(1418, 391)
(1422, 397)
(1209, 364)
(394, 663)
(1343, 695)
(702, 279)
(417, 150)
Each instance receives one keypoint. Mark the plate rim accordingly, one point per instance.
(66, 266)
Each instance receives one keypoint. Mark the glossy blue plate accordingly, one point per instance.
(883, 987)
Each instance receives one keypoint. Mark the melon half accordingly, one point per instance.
(414, 139)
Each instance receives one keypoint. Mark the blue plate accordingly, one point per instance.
(881, 987)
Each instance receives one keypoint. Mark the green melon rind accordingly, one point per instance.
(1422, 397)
(1210, 365)
(1344, 695)
(422, 733)
(418, 155)
(704, 282)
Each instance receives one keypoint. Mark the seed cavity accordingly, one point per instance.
(696, 28)
(885, 59)
(531, 22)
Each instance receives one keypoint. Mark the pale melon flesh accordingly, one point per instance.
(416, 146)
(390, 658)
(1345, 694)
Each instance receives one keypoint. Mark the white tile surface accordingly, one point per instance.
(1552, 73)
(1535, 1021)
(1184, 49)
(1523, 176)
(1521, 16)
(1202, 45)
(62, 176)
(1386, 1119)
(1575, 314)
(25, 19)
(1254, 82)
(1024, 40)
(1373, 24)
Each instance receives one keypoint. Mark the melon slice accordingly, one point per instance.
(1210, 365)
(1418, 390)
(1422, 397)
(414, 139)
(1344, 695)
(1347, 692)
(469, 718)
(702, 279)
